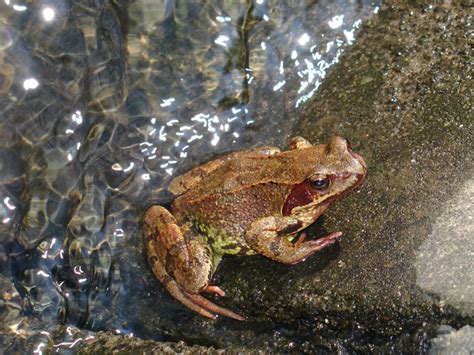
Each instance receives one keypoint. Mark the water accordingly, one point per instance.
(102, 103)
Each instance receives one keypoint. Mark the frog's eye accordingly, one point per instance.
(319, 182)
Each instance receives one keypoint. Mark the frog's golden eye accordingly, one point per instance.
(319, 182)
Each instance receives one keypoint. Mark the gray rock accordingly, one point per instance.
(453, 342)
(116, 344)
(401, 96)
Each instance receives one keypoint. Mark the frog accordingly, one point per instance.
(255, 201)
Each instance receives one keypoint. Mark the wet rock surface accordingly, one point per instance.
(450, 341)
(112, 343)
(402, 96)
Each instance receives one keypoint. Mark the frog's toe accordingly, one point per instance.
(325, 241)
(312, 246)
(214, 289)
(207, 306)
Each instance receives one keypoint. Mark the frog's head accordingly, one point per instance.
(334, 171)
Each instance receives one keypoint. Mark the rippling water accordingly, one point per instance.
(103, 102)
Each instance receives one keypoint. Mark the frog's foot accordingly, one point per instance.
(198, 303)
(318, 244)
(203, 306)
(195, 302)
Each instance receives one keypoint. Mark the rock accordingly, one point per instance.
(112, 343)
(450, 341)
(401, 96)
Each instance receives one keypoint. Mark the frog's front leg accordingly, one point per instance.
(269, 236)
(182, 262)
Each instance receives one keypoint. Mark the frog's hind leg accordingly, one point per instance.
(182, 263)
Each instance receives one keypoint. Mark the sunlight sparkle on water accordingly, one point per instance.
(77, 117)
(117, 167)
(279, 85)
(119, 232)
(42, 273)
(304, 39)
(167, 102)
(222, 40)
(336, 21)
(215, 139)
(223, 18)
(7, 203)
(19, 8)
(39, 350)
(349, 36)
(30, 84)
(130, 167)
(48, 14)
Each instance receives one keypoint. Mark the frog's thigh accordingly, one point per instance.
(183, 257)
(268, 236)
(193, 177)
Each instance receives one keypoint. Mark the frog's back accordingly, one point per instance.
(234, 175)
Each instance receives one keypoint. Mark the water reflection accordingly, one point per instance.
(48, 14)
(102, 105)
(30, 84)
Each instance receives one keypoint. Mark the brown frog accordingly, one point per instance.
(249, 202)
